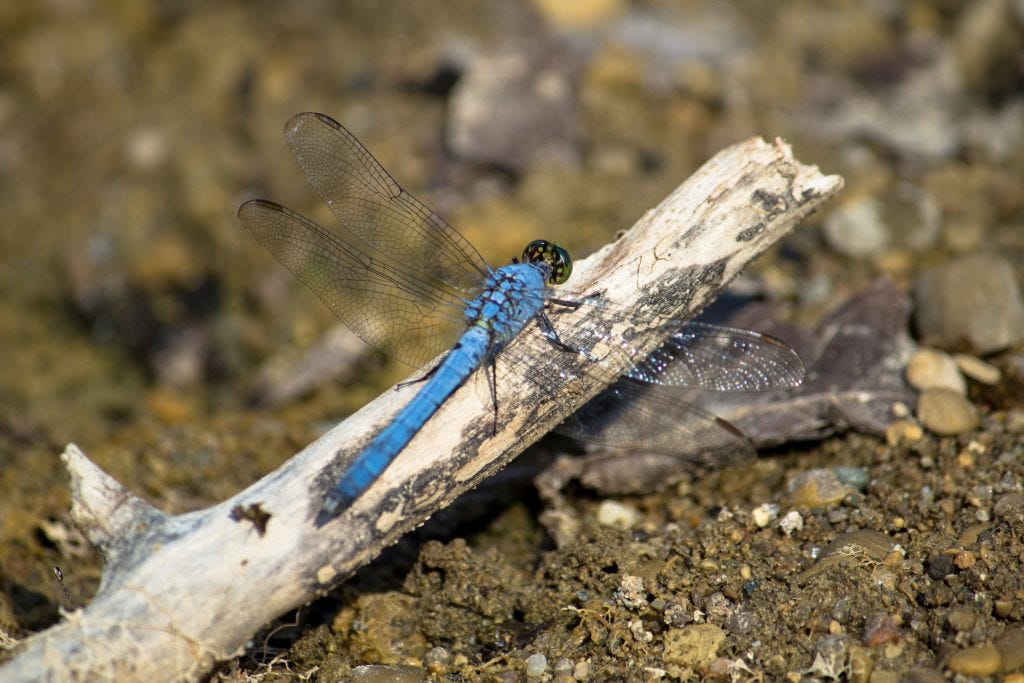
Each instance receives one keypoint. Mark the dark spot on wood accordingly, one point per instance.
(254, 513)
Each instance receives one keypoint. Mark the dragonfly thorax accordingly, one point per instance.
(509, 300)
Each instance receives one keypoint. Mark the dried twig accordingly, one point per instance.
(180, 593)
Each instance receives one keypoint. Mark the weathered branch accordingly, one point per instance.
(180, 593)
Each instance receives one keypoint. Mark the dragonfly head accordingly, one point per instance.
(557, 258)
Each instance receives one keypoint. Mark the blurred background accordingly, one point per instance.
(139, 321)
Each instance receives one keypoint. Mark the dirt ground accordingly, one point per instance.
(140, 322)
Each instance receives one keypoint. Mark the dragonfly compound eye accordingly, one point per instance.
(555, 255)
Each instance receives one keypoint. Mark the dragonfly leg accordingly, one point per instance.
(492, 384)
(567, 304)
(549, 332)
(422, 378)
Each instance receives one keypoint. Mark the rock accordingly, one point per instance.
(1011, 649)
(856, 228)
(912, 216)
(831, 654)
(880, 629)
(854, 477)
(932, 369)
(1015, 420)
(693, 646)
(962, 618)
(941, 566)
(903, 431)
(579, 15)
(516, 107)
(790, 522)
(982, 660)
(617, 515)
(946, 412)
(631, 593)
(817, 488)
(973, 300)
(1009, 507)
(536, 665)
(977, 369)
(764, 514)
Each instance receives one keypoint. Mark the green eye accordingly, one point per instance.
(554, 255)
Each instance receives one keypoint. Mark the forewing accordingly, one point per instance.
(367, 201)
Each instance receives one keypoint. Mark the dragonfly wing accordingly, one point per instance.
(367, 201)
(388, 306)
(638, 416)
(719, 358)
(580, 337)
(643, 407)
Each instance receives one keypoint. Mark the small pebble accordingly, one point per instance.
(631, 593)
(941, 566)
(614, 514)
(563, 666)
(717, 605)
(962, 619)
(741, 621)
(640, 633)
(536, 665)
(969, 536)
(974, 299)
(790, 522)
(695, 645)
(977, 369)
(981, 660)
(880, 629)
(763, 514)
(903, 431)
(964, 559)
(931, 369)
(817, 488)
(854, 477)
(1009, 507)
(830, 656)
(855, 228)
(1011, 649)
(676, 615)
(1015, 420)
(437, 660)
(884, 577)
(946, 412)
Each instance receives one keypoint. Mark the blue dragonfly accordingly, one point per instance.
(410, 285)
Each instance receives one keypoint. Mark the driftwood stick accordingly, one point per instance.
(180, 593)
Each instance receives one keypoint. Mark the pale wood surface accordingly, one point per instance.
(180, 593)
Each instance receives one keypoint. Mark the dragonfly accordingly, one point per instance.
(409, 284)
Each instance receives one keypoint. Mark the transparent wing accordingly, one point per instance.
(638, 416)
(596, 338)
(718, 358)
(645, 407)
(367, 201)
(388, 306)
